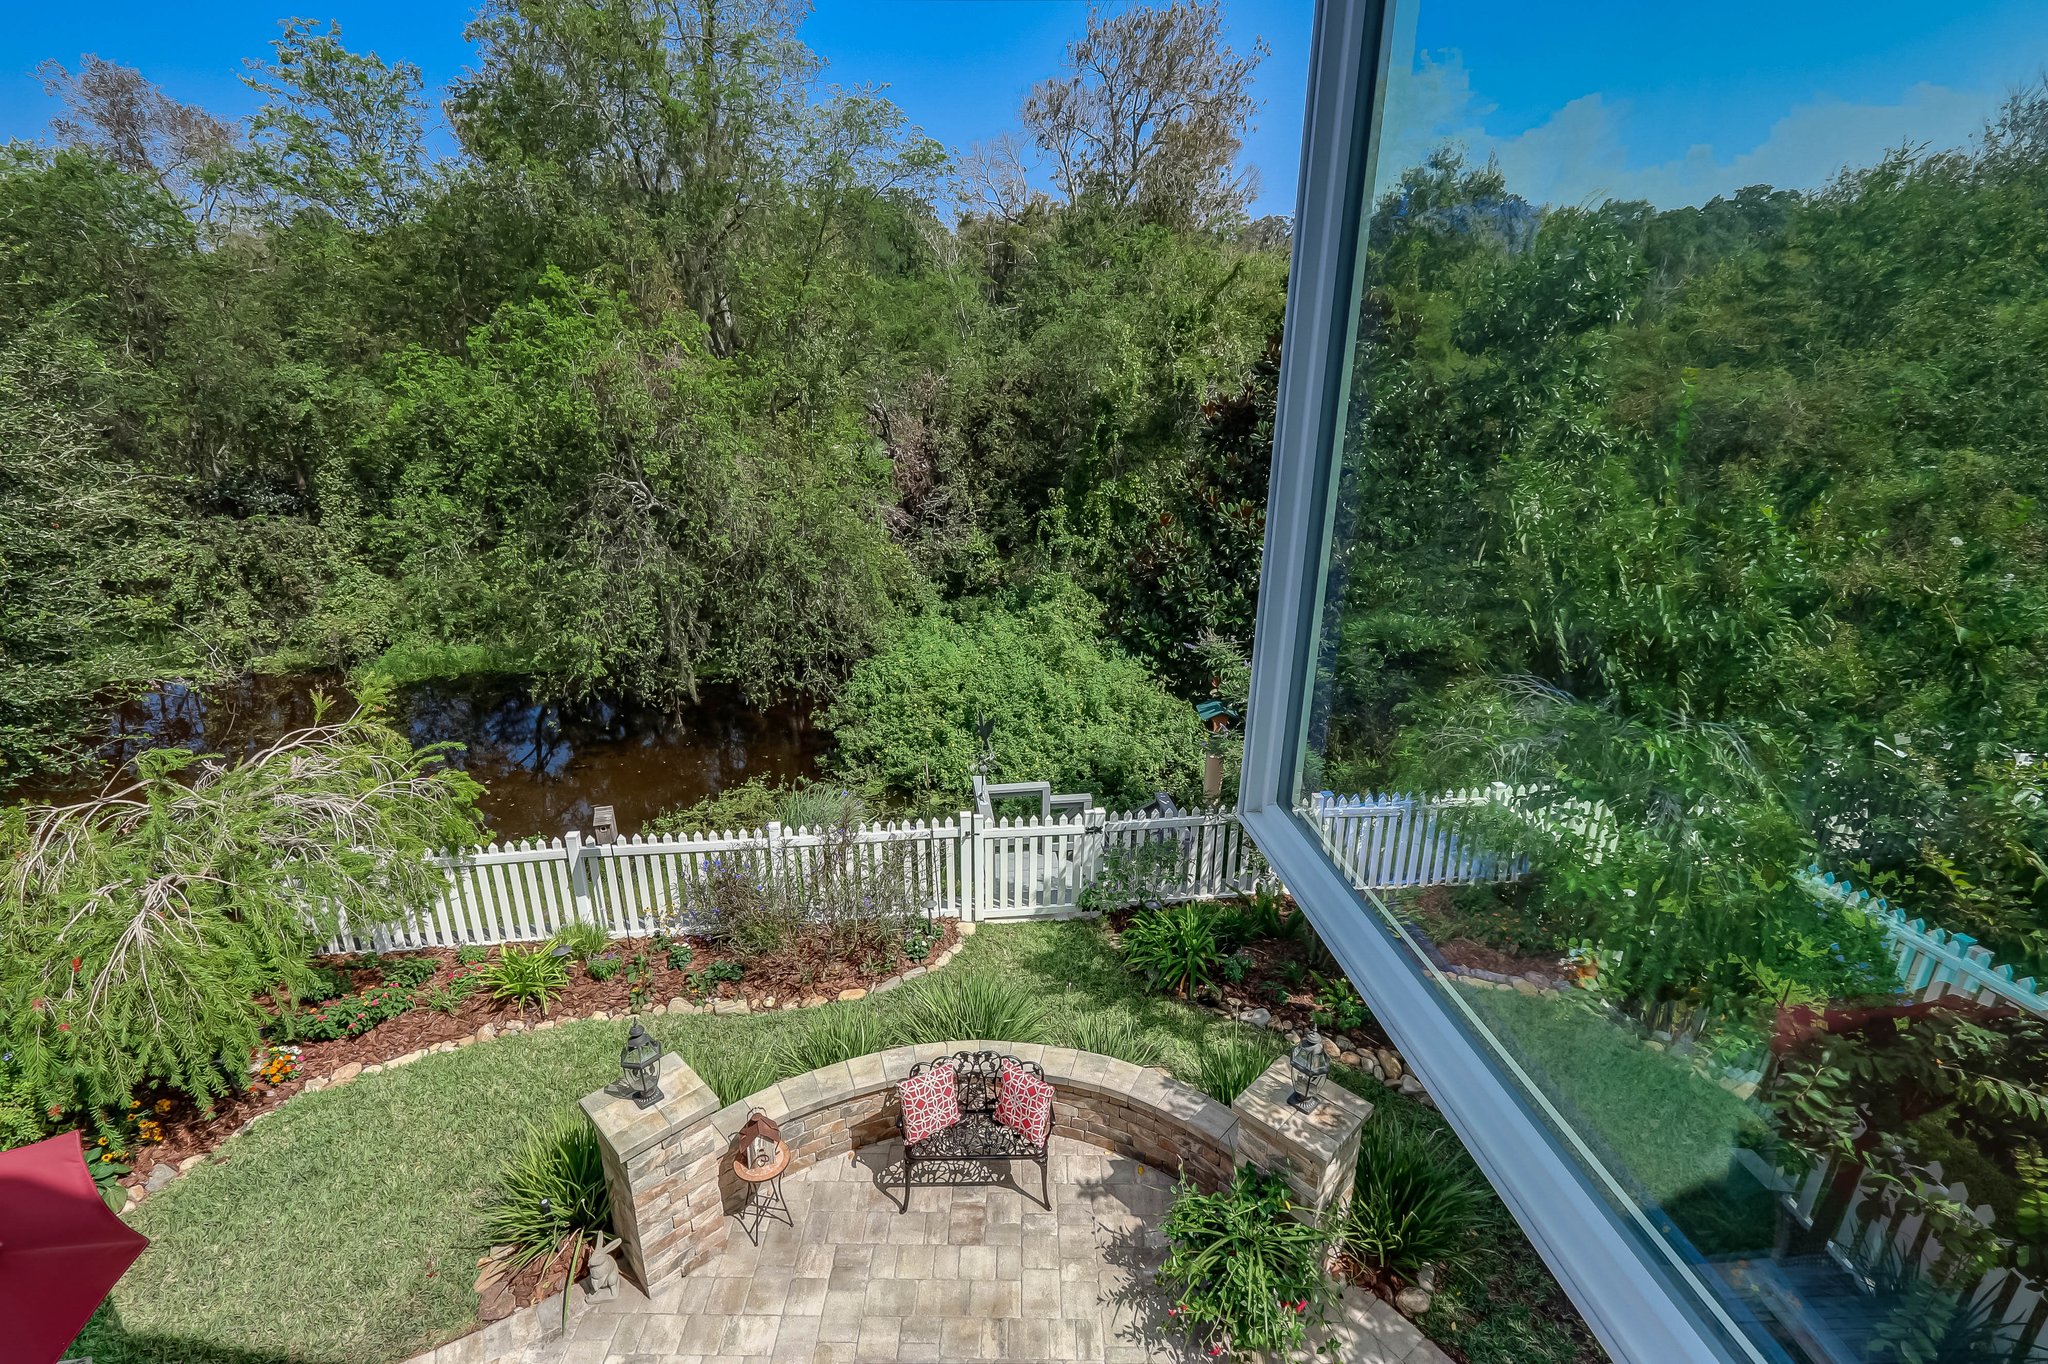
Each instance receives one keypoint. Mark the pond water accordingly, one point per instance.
(543, 766)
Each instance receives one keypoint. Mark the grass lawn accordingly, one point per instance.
(345, 1229)
(1657, 1122)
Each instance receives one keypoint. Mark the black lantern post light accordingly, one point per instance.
(1311, 1067)
(640, 1064)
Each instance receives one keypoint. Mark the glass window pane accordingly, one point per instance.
(1678, 691)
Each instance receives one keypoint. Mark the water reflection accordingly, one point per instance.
(543, 765)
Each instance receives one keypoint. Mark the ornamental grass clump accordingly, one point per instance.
(1414, 1202)
(553, 1189)
(1244, 1268)
(582, 938)
(1228, 1064)
(1115, 1034)
(1175, 947)
(527, 976)
(831, 1035)
(958, 1007)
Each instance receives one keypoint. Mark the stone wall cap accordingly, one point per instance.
(630, 1129)
(1322, 1131)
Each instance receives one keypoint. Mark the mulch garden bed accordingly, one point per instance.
(792, 975)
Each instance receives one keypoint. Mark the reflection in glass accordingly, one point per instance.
(1690, 584)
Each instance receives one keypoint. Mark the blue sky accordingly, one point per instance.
(1601, 97)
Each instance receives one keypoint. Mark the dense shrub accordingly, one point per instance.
(349, 1016)
(1115, 1034)
(583, 939)
(829, 1036)
(409, 972)
(1066, 707)
(552, 1189)
(1226, 1067)
(1244, 1270)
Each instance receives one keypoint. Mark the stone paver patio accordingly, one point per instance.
(979, 1272)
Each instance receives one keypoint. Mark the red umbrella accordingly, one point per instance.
(61, 1248)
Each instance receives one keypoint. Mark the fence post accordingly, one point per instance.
(775, 850)
(579, 876)
(974, 867)
(1094, 839)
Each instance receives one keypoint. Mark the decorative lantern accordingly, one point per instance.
(1311, 1068)
(640, 1062)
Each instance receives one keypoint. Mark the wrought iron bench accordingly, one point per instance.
(977, 1138)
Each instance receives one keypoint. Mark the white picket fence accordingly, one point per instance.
(974, 867)
(983, 867)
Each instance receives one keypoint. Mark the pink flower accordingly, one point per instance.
(1301, 1306)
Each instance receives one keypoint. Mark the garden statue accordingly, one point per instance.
(603, 1282)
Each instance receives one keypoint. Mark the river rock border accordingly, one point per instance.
(165, 1175)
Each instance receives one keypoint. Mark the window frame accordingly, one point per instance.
(1642, 1305)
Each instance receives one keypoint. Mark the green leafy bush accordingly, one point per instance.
(409, 972)
(1174, 948)
(1226, 1066)
(527, 975)
(1414, 1202)
(1109, 1033)
(674, 951)
(1244, 1270)
(1260, 917)
(602, 968)
(921, 937)
(552, 1189)
(447, 997)
(583, 939)
(830, 1035)
(707, 979)
(469, 954)
(959, 1007)
(349, 1016)
(1132, 876)
(1338, 1006)
(1067, 707)
(821, 805)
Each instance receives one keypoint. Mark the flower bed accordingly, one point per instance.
(379, 1014)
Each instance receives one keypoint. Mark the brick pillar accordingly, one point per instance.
(661, 1165)
(1317, 1151)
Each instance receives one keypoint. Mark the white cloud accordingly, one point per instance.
(1581, 153)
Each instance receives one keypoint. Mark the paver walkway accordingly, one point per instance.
(971, 1273)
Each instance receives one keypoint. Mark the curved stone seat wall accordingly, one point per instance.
(670, 1173)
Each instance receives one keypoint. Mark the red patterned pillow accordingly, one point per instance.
(931, 1103)
(1024, 1103)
